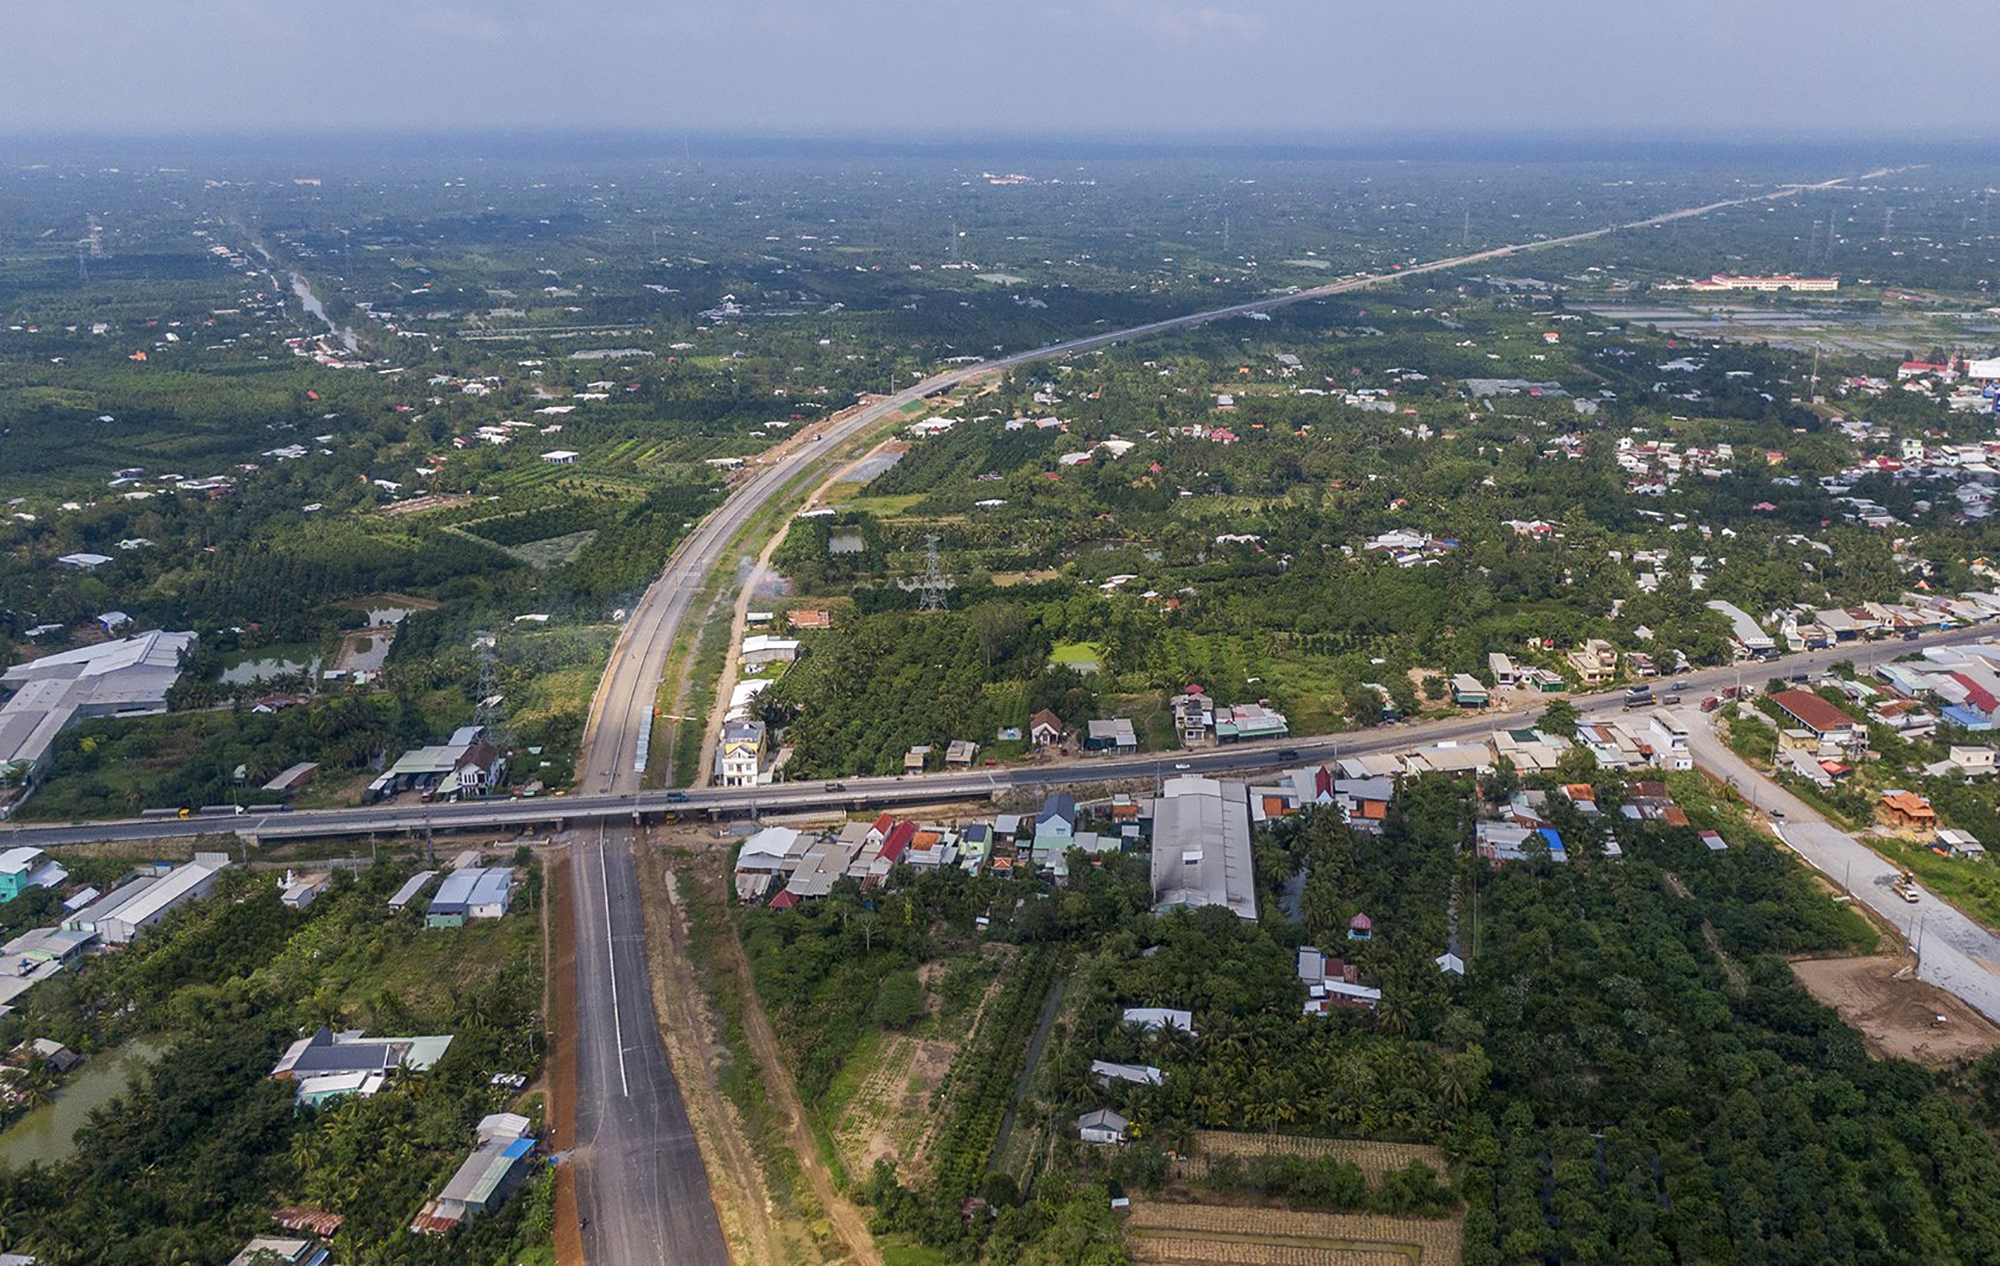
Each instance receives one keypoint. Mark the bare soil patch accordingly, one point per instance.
(1898, 1015)
(559, 1005)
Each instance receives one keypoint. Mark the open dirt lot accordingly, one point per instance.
(1899, 1017)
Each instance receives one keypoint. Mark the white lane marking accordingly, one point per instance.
(611, 960)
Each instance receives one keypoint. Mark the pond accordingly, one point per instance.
(48, 1133)
(269, 664)
(845, 543)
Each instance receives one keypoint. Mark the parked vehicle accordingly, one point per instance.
(1711, 703)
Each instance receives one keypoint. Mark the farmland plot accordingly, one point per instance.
(1172, 1234)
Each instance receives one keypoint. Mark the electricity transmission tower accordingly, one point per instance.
(931, 590)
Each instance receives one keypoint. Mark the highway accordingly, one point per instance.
(641, 1189)
(623, 808)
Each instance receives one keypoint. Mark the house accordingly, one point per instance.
(24, 868)
(916, 758)
(809, 618)
(326, 1065)
(1596, 661)
(471, 892)
(1713, 841)
(466, 765)
(1669, 740)
(1193, 715)
(1104, 1072)
(765, 856)
(1971, 762)
(560, 457)
(498, 1164)
(1906, 809)
(766, 648)
(1498, 842)
(268, 1250)
(1960, 843)
(59, 1058)
(1750, 640)
(1160, 1019)
(84, 561)
(1055, 824)
(739, 757)
(1045, 729)
(1244, 722)
(1501, 667)
(299, 893)
(1361, 928)
(1332, 983)
(1102, 1126)
(1826, 723)
(1201, 846)
(960, 754)
(1115, 735)
(1468, 691)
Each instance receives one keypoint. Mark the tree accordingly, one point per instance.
(1560, 718)
(899, 1002)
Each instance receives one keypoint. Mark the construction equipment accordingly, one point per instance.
(1905, 886)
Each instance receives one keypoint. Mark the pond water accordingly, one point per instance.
(267, 668)
(48, 1133)
(845, 543)
(387, 615)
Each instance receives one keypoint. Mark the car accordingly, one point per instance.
(1181, 764)
(1671, 700)
(1777, 815)
(836, 786)
(677, 797)
(1288, 753)
(1679, 685)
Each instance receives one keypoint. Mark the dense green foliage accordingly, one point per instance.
(191, 1161)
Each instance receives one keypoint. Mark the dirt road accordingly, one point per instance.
(742, 1203)
(733, 972)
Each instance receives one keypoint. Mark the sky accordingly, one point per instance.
(1279, 69)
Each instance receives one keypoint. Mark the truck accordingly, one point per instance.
(1711, 703)
(1638, 696)
(1905, 886)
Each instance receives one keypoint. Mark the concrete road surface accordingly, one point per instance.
(1955, 953)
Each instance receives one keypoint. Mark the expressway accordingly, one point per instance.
(642, 1192)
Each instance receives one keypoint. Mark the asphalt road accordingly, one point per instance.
(642, 1193)
(1955, 952)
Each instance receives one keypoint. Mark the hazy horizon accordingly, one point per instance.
(1286, 70)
